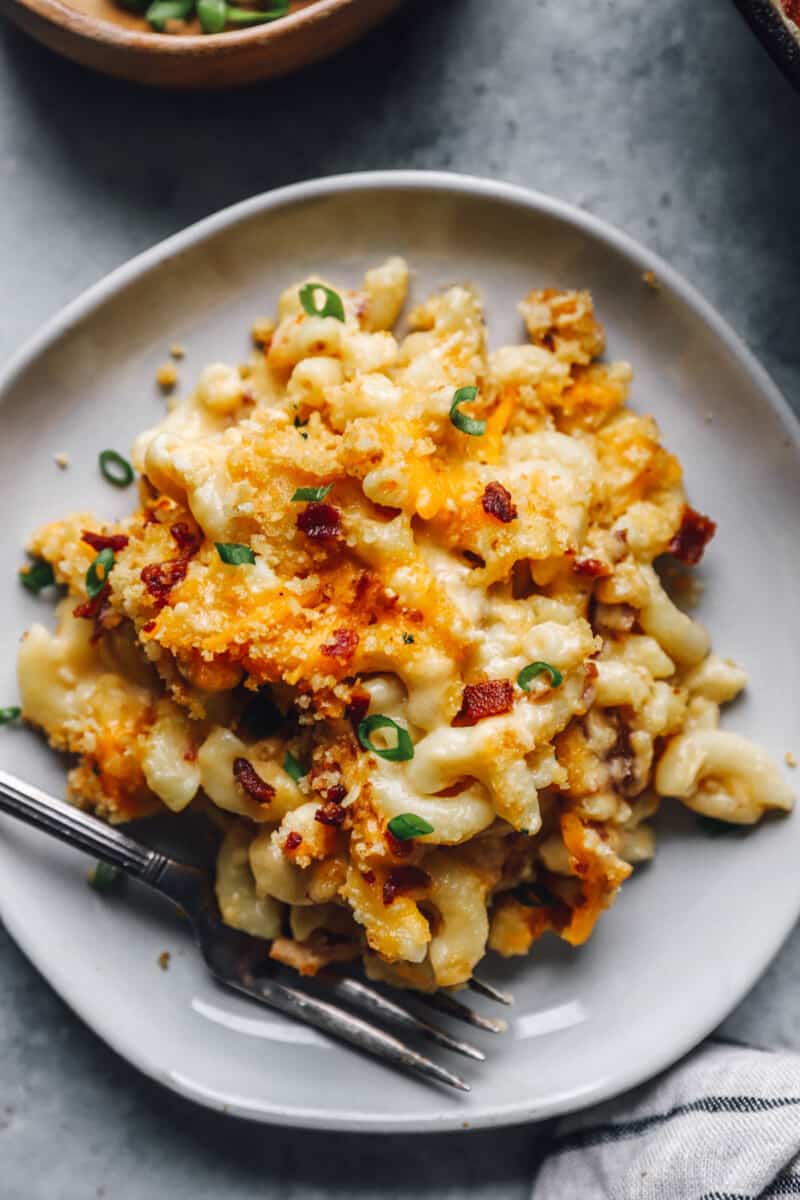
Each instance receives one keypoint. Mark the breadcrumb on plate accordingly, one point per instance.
(166, 376)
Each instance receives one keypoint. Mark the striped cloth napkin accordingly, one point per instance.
(722, 1125)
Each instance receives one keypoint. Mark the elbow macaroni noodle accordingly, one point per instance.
(442, 560)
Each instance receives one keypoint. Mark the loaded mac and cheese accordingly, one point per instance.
(388, 611)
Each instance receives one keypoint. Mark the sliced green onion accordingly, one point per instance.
(292, 767)
(529, 673)
(37, 576)
(408, 825)
(234, 553)
(115, 469)
(104, 878)
(402, 752)
(716, 828)
(249, 16)
(212, 15)
(534, 896)
(312, 493)
(10, 714)
(332, 306)
(470, 425)
(161, 11)
(98, 573)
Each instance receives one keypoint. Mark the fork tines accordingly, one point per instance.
(340, 1022)
(443, 1002)
(362, 994)
(332, 1019)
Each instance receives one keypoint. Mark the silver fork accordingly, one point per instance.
(238, 961)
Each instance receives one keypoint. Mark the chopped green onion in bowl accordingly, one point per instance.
(242, 17)
(161, 11)
(212, 15)
(215, 16)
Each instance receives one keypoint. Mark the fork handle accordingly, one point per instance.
(79, 829)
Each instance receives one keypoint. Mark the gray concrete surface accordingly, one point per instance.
(668, 120)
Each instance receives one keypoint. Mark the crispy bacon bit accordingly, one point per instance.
(497, 502)
(386, 511)
(148, 627)
(622, 760)
(293, 840)
(161, 578)
(690, 541)
(336, 794)
(455, 789)
(320, 521)
(357, 708)
(396, 847)
(473, 559)
(105, 541)
(94, 610)
(480, 700)
(591, 568)
(257, 788)
(368, 877)
(90, 609)
(404, 879)
(330, 814)
(187, 542)
(522, 585)
(343, 645)
(364, 584)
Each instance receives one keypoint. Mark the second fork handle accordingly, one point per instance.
(78, 829)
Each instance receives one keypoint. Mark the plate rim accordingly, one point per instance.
(93, 298)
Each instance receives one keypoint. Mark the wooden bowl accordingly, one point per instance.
(101, 35)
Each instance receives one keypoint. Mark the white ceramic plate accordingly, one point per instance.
(691, 933)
